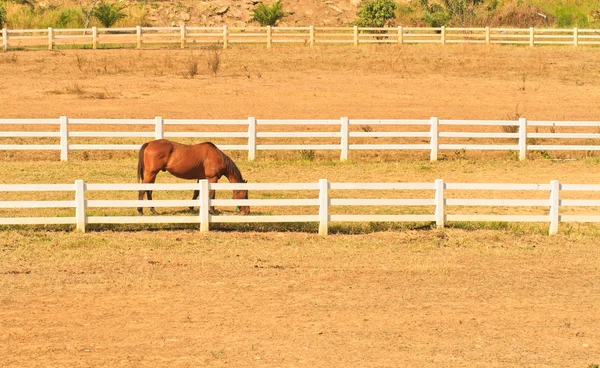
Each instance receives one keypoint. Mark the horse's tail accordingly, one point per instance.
(140, 169)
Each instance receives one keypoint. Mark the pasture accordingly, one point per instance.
(368, 295)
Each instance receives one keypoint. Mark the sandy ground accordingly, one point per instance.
(443, 299)
(450, 298)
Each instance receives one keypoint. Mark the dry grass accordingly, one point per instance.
(306, 170)
(464, 296)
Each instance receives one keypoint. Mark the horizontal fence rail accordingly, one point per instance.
(344, 135)
(436, 199)
(184, 36)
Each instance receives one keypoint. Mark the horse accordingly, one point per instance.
(197, 161)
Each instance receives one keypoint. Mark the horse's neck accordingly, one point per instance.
(232, 173)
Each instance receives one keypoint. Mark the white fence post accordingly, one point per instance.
(344, 141)
(80, 218)
(50, 38)
(311, 31)
(64, 138)
(251, 138)
(158, 127)
(487, 35)
(522, 139)
(443, 35)
(323, 207)
(531, 38)
(554, 205)
(182, 36)
(269, 37)
(225, 36)
(575, 36)
(138, 32)
(435, 134)
(204, 206)
(439, 203)
(4, 39)
(400, 35)
(94, 38)
(355, 35)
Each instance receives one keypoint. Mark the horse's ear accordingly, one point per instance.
(245, 181)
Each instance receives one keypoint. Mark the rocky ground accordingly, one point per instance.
(237, 13)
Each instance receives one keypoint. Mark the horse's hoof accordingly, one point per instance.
(140, 211)
(191, 208)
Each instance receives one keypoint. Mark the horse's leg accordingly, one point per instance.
(149, 195)
(211, 193)
(196, 195)
(149, 178)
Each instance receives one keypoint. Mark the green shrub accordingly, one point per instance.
(570, 16)
(436, 16)
(376, 13)
(2, 16)
(108, 14)
(268, 15)
(67, 17)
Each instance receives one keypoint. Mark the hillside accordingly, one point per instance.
(238, 13)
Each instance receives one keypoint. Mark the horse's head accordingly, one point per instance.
(242, 194)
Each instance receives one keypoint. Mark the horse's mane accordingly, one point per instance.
(230, 166)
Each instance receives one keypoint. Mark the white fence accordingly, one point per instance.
(322, 201)
(516, 138)
(182, 36)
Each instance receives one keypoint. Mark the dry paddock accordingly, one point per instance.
(408, 296)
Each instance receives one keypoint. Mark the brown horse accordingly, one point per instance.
(198, 161)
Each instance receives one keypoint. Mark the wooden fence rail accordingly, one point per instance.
(347, 135)
(322, 200)
(224, 36)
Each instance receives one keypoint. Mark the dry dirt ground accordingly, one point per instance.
(460, 82)
(439, 298)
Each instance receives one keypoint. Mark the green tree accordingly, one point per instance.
(108, 14)
(268, 15)
(376, 13)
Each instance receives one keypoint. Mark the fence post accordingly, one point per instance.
(554, 205)
(269, 35)
(345, 135)
(522, 139)
(531, 39)
(251, 138)
(443, 35)
(323, 207)
(80, 205)
(487, 35)
(575, 36)
(355, 35)
(4, 39)
(311, 31)
(50, 38)
(64, 138)
(182, 36)
(434, 138)
(94, 38)
(225, 37)
(158, 127)
(204, 206)
(439, 203)
(138, 32)
(400, 35)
